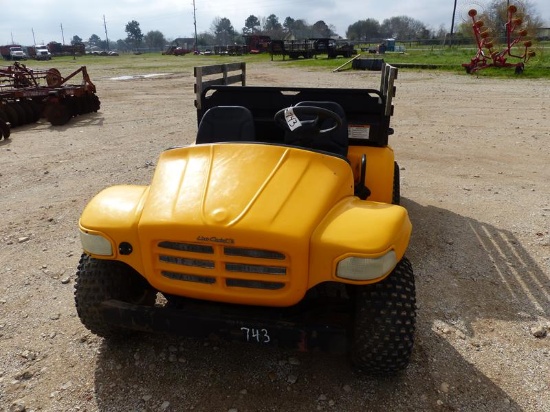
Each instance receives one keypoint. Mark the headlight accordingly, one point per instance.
(96, 244)
(358, 268)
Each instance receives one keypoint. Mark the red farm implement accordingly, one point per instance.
(26, 95)
(514, 35)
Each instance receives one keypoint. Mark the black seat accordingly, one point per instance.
(335, 141)
(226, 124)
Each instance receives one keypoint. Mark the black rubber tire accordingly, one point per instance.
(519, 68)
(396, 193)
(99, 280)
(96, 104)
(5, 129)
(384, 325)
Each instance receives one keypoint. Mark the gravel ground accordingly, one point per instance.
(474, 158)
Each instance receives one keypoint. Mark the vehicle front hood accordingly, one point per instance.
(215, 190)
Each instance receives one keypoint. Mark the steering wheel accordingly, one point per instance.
(289, 119)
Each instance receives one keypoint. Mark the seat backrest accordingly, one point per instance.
(226, 124)
(336, 141)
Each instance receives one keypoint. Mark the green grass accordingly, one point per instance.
(448, 59)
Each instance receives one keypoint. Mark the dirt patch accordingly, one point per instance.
(474, 159)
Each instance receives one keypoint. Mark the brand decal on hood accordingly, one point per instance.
(215, 239)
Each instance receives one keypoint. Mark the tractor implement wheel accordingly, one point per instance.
(4, 129)
(96, 104)
(520, 68)
(12, 115)
(57, 114)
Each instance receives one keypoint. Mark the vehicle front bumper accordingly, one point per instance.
(261, 326)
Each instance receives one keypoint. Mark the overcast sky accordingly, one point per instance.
(60, 20)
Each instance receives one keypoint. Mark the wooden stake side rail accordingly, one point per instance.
(389, 74)
(227, 79)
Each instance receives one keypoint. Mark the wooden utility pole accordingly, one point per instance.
(452, 26)
(106, 36)
(195, 23)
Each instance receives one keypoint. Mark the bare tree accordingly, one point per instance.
(496, 16)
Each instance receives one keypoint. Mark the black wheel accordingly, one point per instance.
(396, 194)
(519, 68)
(96, 104)
(99, 280)
(5, 129)
(385, 317)
(12, 115)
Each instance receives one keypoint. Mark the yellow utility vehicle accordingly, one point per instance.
(281, 225)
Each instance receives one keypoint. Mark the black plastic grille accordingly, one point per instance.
(213, 264)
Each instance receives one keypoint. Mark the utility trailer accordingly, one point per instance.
(28, 94)
(280, 225)
(334, 48)
(294, 49)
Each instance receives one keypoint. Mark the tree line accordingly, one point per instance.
(404, 28)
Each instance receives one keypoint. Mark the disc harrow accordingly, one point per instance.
(26, 95)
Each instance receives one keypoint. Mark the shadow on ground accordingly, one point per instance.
(499, 280)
